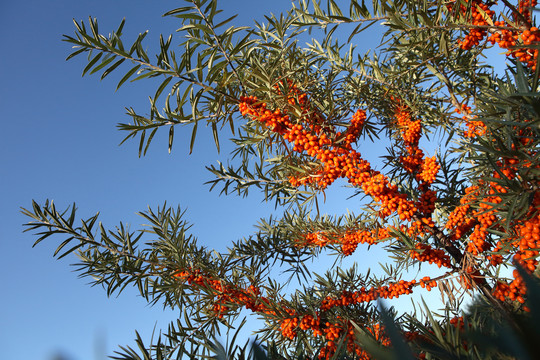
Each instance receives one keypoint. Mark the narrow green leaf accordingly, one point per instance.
(171, 136)
(150, 137)
(128, 75)
(94, 27)
(162, 87)
(202, 27)
(110, 69)
(179, 10)
(145, 73)
(141, 142)
(120, 27)
(193, 134)
(226, 21)
(91, 63)
(215, 133)
(104, 63)
(75, 53)
(521, 80)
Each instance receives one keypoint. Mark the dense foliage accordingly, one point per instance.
(459, 188)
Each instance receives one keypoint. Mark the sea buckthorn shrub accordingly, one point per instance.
(455, 201)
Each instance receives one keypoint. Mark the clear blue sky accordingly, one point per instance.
(59, 141)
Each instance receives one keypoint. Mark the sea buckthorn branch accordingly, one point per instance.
(484, 219)
(427, 253)
(469, 274)
(525, 247)
(425, 171)
(348, 240)
(391, 290)
(336, 160)
(228, 296)
(411, 134)
(364, 295)
(333, 330)
(487, 215)
(281, 124)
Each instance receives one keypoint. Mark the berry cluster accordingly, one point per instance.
(526, 243)
(486, 218)
(427, 283)
(433, 256)
(523, 240)
(335, 330)
(349, 240)
(291, 322)
(425, 169)
(390, 291)
(517, 38)
(481, 16)
(225, 294)
(458, 322)
(507, 38)
(335, 155)
(460, 220)
(411, 131)
(474, 127)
